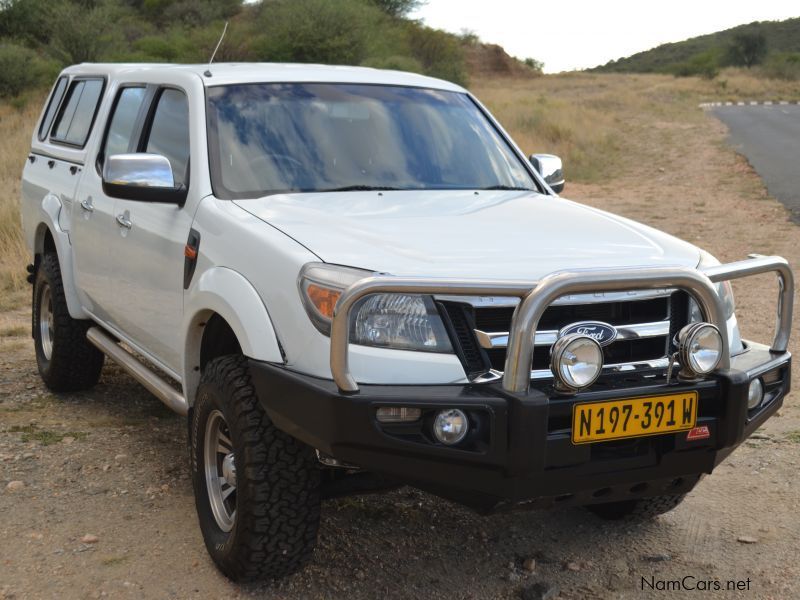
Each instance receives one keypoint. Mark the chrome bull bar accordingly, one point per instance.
(536, 296)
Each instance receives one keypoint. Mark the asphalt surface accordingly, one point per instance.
(769, 136)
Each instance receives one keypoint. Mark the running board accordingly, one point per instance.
(154, 383)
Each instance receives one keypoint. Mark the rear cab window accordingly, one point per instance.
(77, 113)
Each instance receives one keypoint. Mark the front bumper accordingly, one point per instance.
(521, 449)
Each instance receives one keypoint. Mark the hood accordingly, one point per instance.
(496, 235)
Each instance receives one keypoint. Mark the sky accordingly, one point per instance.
(573, 34)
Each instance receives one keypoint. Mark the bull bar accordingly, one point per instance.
(536, 296)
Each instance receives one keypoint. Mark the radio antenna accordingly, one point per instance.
(222, 37)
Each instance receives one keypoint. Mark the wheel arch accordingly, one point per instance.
(224, 315)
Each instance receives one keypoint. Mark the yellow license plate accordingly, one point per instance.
(633, 417)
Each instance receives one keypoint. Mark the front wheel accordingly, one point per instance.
(642, 509)
(257, 489)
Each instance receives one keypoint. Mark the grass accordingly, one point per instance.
(32, 433)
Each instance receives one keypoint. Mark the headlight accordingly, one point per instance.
(576, 361)
(399, 321)
(699, 348)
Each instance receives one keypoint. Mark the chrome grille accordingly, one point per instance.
(646, 323)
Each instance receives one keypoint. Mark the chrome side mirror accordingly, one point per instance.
(550, 168)
(144, 177)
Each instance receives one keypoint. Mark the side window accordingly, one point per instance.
(169, 132)
(74, 121)
(123, 120)
(52, 107)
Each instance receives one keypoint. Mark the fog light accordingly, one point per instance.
(699, 349)
(450, 426)
(576, 361)
(398, 414)
(755, 394)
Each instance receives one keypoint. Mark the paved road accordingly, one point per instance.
(769, 136)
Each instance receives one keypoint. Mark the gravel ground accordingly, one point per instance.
(105, 509)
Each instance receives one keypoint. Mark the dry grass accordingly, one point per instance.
(16, 126)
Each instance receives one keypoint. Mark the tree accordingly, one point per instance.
(747, 48)
(398, 8)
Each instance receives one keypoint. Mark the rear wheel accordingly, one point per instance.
(257, 489)
(642, 509)
(67, 361)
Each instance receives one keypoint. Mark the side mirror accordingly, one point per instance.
(550, 168)
(144, 177)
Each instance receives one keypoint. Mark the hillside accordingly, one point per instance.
(781, 36)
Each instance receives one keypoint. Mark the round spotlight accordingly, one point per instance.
(450, 426)
(699, 348)
(576, 362)
(755, 394)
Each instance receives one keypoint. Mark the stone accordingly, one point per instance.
(15, 486)
(746, 539)
(529, 565)
(90, 539)
(539, 590)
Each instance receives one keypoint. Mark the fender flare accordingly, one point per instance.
(50, 220)
(229, 294)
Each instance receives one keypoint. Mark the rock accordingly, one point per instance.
(90, 539)
(120, 457)
(106, 468)
(760, 436)
(572, 566)
(68, 439)
(746, 539)
(539, 590)
(35, 535)
(15, 486)
(657, 557)
(529, 565)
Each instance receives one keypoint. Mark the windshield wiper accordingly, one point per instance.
(508, 188)
(361, 188)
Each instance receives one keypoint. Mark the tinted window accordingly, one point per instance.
(322, 137)
(123, 120)
(52, 107)
(169, 132)
(75, 119)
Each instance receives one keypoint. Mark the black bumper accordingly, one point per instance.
(520, 449)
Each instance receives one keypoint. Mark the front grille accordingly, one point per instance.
(669, 309)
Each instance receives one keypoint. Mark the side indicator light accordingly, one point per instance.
(189, 252)
(698, 433)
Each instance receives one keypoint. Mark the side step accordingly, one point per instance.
(154, 383)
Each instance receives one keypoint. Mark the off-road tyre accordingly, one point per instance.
(67, 361)
(642, 509)
(277, 498)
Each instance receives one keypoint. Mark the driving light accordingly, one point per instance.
(699, 349)
(398, 414)
(450, 426)
(576, 362)
(755, 394)
(399, 321)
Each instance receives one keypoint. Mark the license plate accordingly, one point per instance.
(633, 417)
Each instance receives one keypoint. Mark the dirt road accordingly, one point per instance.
(105, 506)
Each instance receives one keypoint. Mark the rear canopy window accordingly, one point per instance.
(52, 107)
(75, 119)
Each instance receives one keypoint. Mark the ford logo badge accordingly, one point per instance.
(602, 333)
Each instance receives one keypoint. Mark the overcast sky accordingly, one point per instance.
(573, 34)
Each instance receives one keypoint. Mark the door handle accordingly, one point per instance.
(124, 221)
(74, 169)
(87, 205)
(51, 163)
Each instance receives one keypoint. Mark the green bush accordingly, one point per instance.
(316, 31)
(703, 65)
(395, 63)
(439, 53)
(783, 65)
(19, 70)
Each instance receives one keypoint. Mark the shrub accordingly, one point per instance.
(747, 48)
(18, 70)
(395, 63)
(783, 65)
(439, 53)
(703, 65)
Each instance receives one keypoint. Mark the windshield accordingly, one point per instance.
(313, 137)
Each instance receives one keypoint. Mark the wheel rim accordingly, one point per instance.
(46, 321)
(220, 469)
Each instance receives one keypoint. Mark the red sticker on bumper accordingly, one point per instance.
(698, 433)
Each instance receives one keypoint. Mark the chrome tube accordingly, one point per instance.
(535, 297)
(516, 376)
(756, 265)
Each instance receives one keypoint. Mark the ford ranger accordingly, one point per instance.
(351, 279)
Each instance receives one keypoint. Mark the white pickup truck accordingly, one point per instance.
(351, 279)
